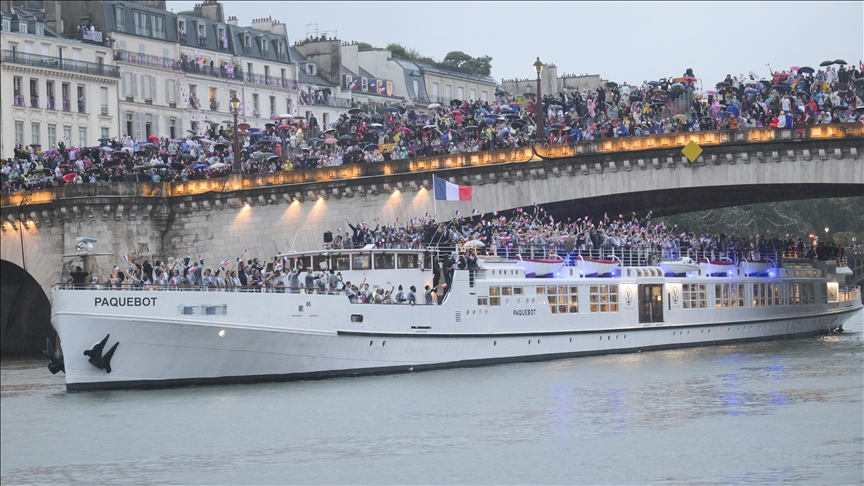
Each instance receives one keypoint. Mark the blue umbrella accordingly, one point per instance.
(392, 109)
(253, 130)
(734, 110)
(200, 166)
(490, 120)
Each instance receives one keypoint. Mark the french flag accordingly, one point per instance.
(784, 121)
(447, 191)
(382, 88)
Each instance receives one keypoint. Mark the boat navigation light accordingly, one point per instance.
(222, 333)
(729, 273)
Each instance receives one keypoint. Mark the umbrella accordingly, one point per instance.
(405, 129)
(273, 158)
(826, 63)
(177, 165)
(153, 138)
(529, 95)
(91, 170)
(680, 117)
(429, 127)
(391, 109)
(330, 141)
(159, 165)
(371, 146)
(376, 125)
(354, 111)
(218, 165)
(839, 61)
(455, 103)
(284, 127)
(635, 97)
(653, 83)
(283, 116)
(199, 166)
(434, 105)
(346, 137)
(243, 126)
(471, 128)
(490, 120)
(517, 124)
(104, 139)
(220, 146)
(474, 244)
(229, 159)
(106, 149)
(612, 84)
(68, 177)
(269, 124)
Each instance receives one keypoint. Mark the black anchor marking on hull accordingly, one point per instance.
(56, 364)
(97, 359)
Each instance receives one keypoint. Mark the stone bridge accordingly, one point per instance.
(278, 212)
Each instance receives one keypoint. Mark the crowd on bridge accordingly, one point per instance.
(786, 98)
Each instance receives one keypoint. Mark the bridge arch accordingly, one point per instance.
(25, 312)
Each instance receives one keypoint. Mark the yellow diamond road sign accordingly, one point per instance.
(691, 151)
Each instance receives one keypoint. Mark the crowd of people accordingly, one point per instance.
(798, 96)
(529, 232)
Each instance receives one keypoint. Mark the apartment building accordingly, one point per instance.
(53, 88)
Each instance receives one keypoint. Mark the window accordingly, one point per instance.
(729, 295)
(435, 93)
(694, 296)
(120, 13)
(472, 94)
(263, 45)
(147, 87)
(40, 29)
(604, 298)
(408, 261)
(280, 48)
(105, 132)
(82, 100)
(494, 296)
(416, 83)
(171, 91)
(563, 299)
(34, 93)
(67, 134)
(247, 41)
(52, 135)
(19, 132)
(158, 26)
(385, 261)
(461, 92)
(22, 26)
(255, 105)
(7, 25)
(484, 95)
(82, 136)
(141, 25)
(448, 92)
(103, 101)
(267, 71)
(361, 262)
(172, 127)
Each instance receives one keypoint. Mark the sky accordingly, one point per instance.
(621, 41)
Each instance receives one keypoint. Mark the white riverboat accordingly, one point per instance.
(171, 336)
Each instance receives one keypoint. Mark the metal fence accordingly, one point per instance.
(63, 64)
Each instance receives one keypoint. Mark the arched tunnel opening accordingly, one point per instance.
(25, 312)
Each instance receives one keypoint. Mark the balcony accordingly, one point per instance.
(52, 104)
(202, 41)
(224, 72)
(103, 110)
(265, 80)
(82, 107)
(147, 60)
(18, 100)
(214, 105)
(183, 37)
(67, 106)
(34, 102)
(51, 62)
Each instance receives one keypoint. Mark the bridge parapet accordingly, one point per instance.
(595, 155)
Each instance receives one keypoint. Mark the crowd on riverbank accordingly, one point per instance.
(794, 97)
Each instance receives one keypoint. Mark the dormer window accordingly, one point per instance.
(7, 25)
(22, 26)
(311, 69)
(120, 13)
(263, 45)
(247, 41)
(280, 48)
(40, 29)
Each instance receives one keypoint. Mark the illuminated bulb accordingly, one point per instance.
(222, 333)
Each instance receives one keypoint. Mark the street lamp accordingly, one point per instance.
(235, 107)
(540, 134)
(826, 234)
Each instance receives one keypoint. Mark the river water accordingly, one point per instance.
(775, 412)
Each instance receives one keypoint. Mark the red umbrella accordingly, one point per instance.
(153, 138)
(405, 129)
(68, 177)
(284, 127)
(243, 126)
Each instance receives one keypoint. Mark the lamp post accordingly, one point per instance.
(826, 234)
(235, 107)
(540, 133)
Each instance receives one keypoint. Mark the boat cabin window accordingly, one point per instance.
(604, 298)
(409, 260)
(729, 295)
(361, 262)
(482, 301)
(356, 317)
(341, 262)
(303, 262)
(766, 294)
(541, 290)
(694, 296)
(563, 299)
(506, 291)
(494, 293)
(385, 261)
(517, 290)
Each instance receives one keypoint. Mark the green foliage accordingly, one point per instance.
(364, 46)
(453, 61)
(842, 216)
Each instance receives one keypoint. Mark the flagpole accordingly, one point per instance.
(434, 199)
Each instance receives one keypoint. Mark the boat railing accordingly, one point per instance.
(850, 293)
(199, 288)
(630, 256)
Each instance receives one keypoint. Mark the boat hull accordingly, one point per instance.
(164, 352)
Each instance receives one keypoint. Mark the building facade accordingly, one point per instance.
(53, 88)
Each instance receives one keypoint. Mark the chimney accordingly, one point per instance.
(265, 24)
(211, 10)
(232, 20)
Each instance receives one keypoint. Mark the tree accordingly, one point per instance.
(457, 58)
(364, 46)
(397, 51)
